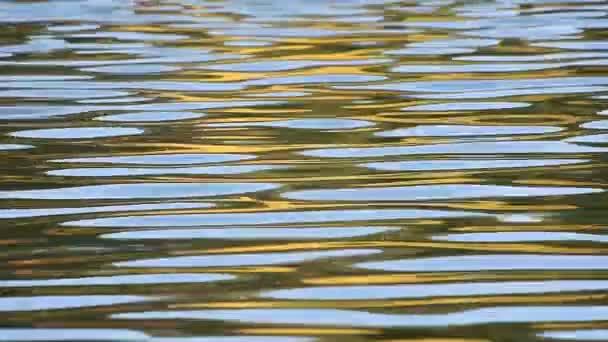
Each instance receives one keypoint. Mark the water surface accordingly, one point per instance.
(303, 170)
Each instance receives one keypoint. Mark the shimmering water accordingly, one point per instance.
(304, 170)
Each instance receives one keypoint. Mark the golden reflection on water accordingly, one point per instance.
(426, 304)
(536, 248)
(436, 141)
(309, 331)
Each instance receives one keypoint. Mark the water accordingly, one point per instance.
(306, 170)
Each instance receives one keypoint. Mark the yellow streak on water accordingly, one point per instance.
(309, 331)
(491, 247)
(397, 303)
(431, 277)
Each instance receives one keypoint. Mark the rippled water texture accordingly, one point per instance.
(304, 170)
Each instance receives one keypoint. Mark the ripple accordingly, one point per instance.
(72, 28)
(120, 280)
(521, 218)
(140, 190)
(36, 44)
(78, 132)
(448, 25)
(371, 292)
(137, 36)
(226, 260)
(37, 303)
(501, 147)
(71, 334)
(22, 212)
(575, 45)
(248, 43)
(521, 237)
(151, 117)
(115, 46)
(528, 33)
(106, 334)
(142, 69)
(320, 123)
(10, 147)
(284, 65)
(466, 130)
(280, 94)
(300, 9)
(494, 262)
(599, 124)
(466, 106)
(146, 59)
(432, 192)
(61, 94)
(132, 99)
(41, 112)
(173, 106)
(462, 68)
(238, 219)
(31, 78)
(333, 317)
(515, 92)
(63, 11)
(102, 89)
(595, 138)
(430, 51)
(471, 164)
(576, 335)
(456, 43)
(325, 78)
(161, 159)
(286, 32)
(491, 85)
(251, 233)
(205, 170)
(532, 58)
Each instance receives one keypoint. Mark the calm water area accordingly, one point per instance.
(303, 170)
